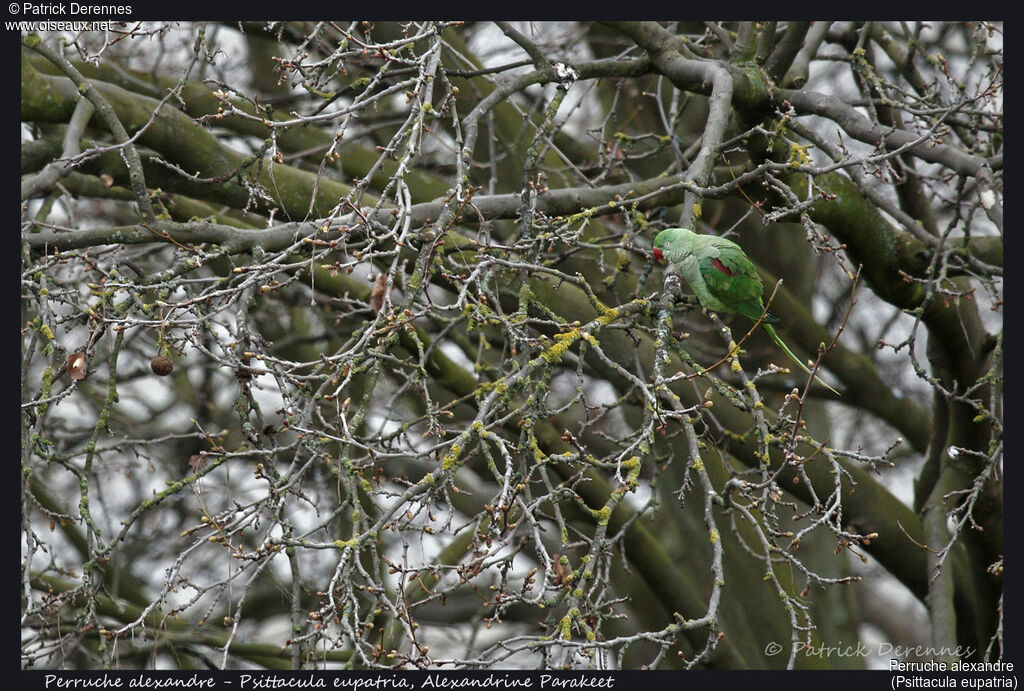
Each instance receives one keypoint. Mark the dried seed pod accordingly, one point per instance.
(378, 293)
(197, 462)
(76, 365)
(161, 365)
(244, 374)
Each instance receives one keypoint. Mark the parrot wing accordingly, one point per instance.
(732, 279)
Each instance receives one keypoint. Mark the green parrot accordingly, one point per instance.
(722, 277)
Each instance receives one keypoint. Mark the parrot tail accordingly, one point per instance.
(775, 337)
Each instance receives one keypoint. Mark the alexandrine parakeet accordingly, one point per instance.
(721, 276)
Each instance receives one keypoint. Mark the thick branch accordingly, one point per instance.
(889, 139)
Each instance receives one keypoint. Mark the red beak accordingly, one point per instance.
(658, 256)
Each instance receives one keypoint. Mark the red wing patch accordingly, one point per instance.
(722, 267)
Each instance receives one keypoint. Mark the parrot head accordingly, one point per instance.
(659, 242)
(662, 238)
